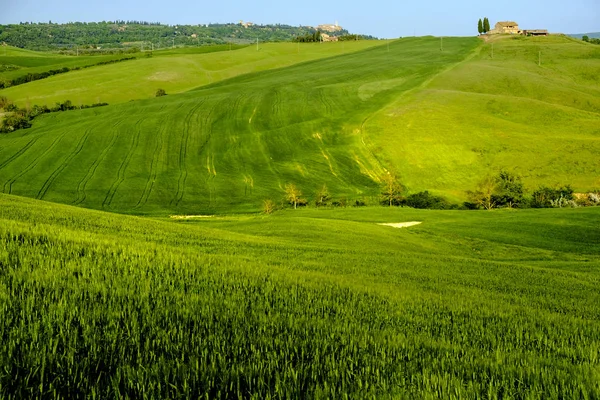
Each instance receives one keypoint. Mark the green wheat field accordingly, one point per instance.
(135, 261)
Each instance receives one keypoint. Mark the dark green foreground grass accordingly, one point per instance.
(307, 304)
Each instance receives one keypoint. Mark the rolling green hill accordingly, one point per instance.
(440, 120)
(307, 303)
(230, 144)
(172, 70)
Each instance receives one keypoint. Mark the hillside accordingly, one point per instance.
(97, 36)
(174, 70)
(439, 120)
(225, 146)
(507, 112)
(595, 35)
(312, 304)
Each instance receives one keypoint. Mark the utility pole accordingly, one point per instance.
(256, 44)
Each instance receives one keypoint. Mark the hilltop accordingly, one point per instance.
(96, 37)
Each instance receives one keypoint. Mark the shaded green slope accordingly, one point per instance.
(540, 121)
(175, 71)
(226, 146)
(312, 303)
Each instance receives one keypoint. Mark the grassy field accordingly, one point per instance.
(441, 120)
(175, 71)
(15, 62)
(311, 304)
(506, 112)
(228, 145)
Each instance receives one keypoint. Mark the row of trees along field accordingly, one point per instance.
(20, 118)
(483, 26)
(506, 190)
(586, 38)
(50, 36)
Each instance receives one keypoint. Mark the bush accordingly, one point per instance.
(15, 121)
(545, 197)
(160, 93)
(426, 200)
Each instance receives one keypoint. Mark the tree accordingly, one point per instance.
(484, 195)
(292, 194)
(323, 196)
(585, 38)
(486, 25)
(391, 191)
(268, 206)
(480, 26)
(160, 92)
(509, 190)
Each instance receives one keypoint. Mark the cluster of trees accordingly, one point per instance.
(483, 26)
(309, 37)
(34, 76)
(117, 34)
(20, 118)
(505, 190)
(586, 38)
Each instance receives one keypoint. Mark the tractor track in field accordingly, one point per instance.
(81, 196)
(18, 153)
(325, 101)
(50, 180)
(123, 167)
(153, 169)
(31, 165)
(183, 155)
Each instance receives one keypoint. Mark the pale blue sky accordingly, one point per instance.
(387, 18)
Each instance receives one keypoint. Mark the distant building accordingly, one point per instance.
(327, 38)
(535, 32)
(329, 27)
(510, 27)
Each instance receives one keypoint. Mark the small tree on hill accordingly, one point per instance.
(292, 194)
(323, 196)
(268, 206)
(509, 190)
(486, 25)
(480, 26)
(391, 191)
(585, 38)
(484, 195)
(160, 92)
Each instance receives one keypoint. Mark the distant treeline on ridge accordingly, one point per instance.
(115, 34)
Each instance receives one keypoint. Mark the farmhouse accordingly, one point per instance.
(535, 32)
(505, 27)
(329, 27)
(327, 38)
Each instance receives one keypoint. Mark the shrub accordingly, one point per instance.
(160, 92)
(426, 200)
(545, 197)
(268, 206)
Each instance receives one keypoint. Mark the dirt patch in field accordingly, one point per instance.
(163, 76)
(401, 224)
(191, 216)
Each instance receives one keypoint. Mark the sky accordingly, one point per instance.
(384, 19)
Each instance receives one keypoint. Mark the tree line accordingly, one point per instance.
(34, 76)
(117, 34)
(587, 39)
(20, 118)
(505, 190)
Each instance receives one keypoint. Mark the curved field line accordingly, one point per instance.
(18, 153)
(153, 169)
(31, 165)
(182, 156)
(81, 196)
(50, 180)
(326, 102)
(121, 173)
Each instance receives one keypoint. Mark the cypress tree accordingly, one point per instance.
(486, 25)
(480, 27)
